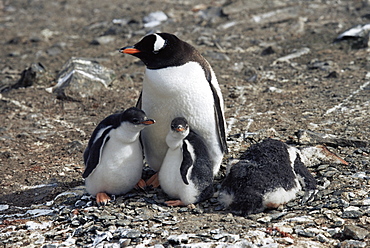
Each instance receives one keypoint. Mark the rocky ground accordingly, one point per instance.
(322, 88)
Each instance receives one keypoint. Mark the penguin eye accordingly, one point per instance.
(135, 121)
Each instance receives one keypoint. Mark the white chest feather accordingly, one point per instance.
(171, 181)
(177, 92)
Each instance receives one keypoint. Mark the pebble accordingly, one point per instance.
(32, 225)
(352, 244)
(352, 212)
(178, 239)
(293, 55)
(154, 19)
(4, 207)
(355, 232)
(103, 40)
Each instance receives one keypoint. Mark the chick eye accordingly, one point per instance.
(135, 121)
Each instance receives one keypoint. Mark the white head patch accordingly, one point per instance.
(159, 43)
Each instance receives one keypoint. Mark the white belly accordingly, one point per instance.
(171, 181)
(119, 170)
(169, 93)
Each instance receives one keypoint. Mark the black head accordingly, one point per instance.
(179, 124)
(161, 50)
(136, 116)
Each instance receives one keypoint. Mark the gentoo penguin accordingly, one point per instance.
(114, 157)
(268, 175)
(178, 82)
(186, 172)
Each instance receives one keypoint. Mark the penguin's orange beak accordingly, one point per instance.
(129, 50)
(180, 129)
(148, 122)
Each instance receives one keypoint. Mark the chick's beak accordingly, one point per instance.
(129, 50)
(148, 122)
(180, 128)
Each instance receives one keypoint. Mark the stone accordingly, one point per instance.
(352, 213)
(321, 65)
(178, 239)
(103, 40)
(4, 207)
(285, 241)
(154, 19)
(355, 232)
(276, 15)
(296, 54)
(352, 244)
(81, 77)
(130, 233)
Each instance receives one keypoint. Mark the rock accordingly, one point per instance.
(352, 213)
(4, 207)
(355, 232)
(267, 51)
(352, 244)
(366, 201)
(178, 239)
(100, 236)
(238, 66)
(54, 50)
(120, 21)
(81, 77)
(154, 19)
(32, 225)
(130, 233)
(298, 53)
(103, 40)
(210, 13)
(278, 15)
(361, 174)
(285, 241)
(321, 65)
(322, 238)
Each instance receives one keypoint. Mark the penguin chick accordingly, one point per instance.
(268, 175)
(186, 172)
(178, 81)
(114, 158)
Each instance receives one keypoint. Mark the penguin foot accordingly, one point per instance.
(102, 199)
(174, 203)
(141, 184)
(153, 181)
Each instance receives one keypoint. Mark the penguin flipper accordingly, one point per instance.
(139, 101)
(186, 163)
(95, 152)
(220, 123)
